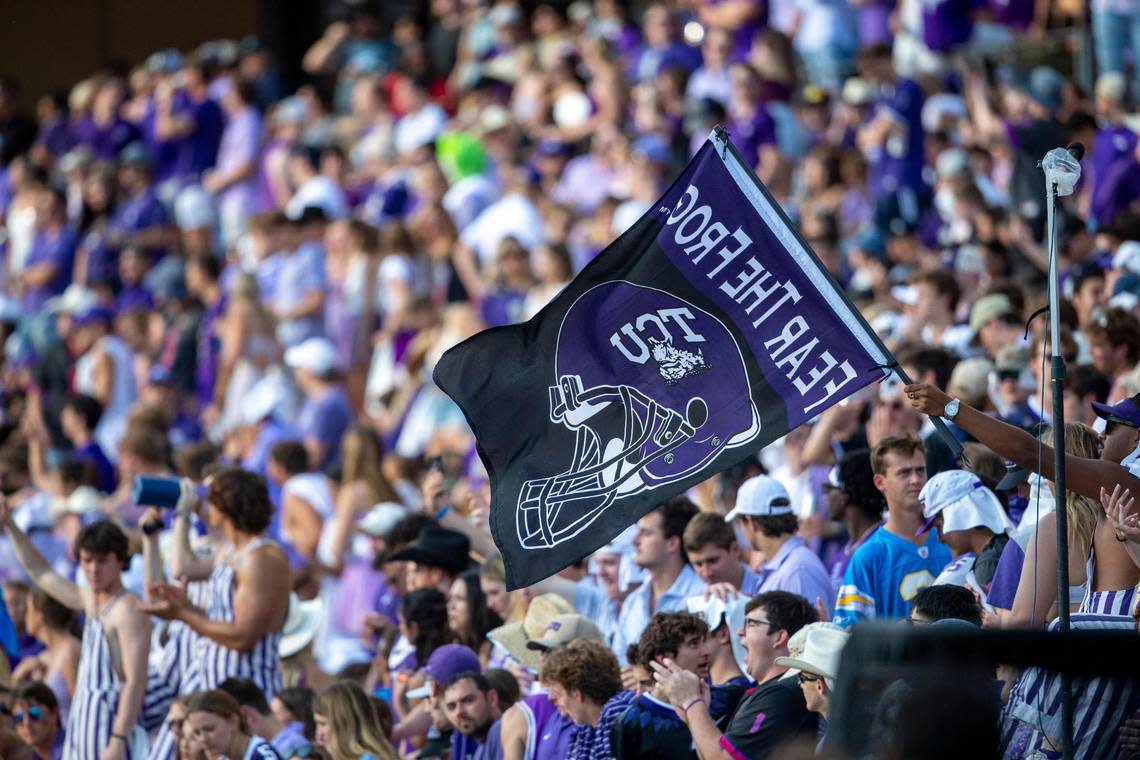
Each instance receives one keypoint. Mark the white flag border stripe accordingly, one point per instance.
(807, 262)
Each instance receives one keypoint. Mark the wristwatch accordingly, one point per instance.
(951, 409)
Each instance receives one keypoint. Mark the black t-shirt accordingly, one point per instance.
(771, 714)
(650, 728)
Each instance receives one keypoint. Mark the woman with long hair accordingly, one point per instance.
(362, 486)
(468, 616)
(348, 726)
(249, 349)
(1035, 603)
(218, 729)
(57, 665)
(422, 629)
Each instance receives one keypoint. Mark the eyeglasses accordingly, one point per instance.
(805, 678)
(750, 623)
(34, 714)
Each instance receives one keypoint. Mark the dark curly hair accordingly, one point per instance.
(243, 498)
(665, 634)
(586, 665)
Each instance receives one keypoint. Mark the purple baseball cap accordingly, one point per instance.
(446, 663)
(1126, 412)
(93, 315)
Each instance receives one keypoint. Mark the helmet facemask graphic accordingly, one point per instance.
(651, 429)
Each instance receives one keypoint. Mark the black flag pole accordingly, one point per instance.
(721, 135)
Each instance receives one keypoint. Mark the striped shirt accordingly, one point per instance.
(212, 662)
(97, 691)
(1031, 719)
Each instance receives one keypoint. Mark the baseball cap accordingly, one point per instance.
(317, 355)
(446, 663)
(823, 647)
(563, 629)
(1126, 412)
(93, 315)
(74, 299)
(1014, 476)
(263, 399)
(963, 501)
(380, 519)
(761, 496)
(513, 637)
(988, 308)
(716, 612)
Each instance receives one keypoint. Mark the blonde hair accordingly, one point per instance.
(1083, 512)
(354, 723)
(363, 459)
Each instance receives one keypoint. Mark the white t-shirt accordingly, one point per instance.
(513, 216)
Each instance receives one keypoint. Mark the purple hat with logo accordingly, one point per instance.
(1126, 412)
(446, 663)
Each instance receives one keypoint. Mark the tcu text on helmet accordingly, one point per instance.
(657, 325)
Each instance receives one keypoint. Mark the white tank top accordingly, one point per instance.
(112, 425)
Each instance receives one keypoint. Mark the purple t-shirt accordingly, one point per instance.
(901, 165)
(93, 455)
(56, 248)
(167, 153)
(326, 418)
(102, 258)
(139, 213)
(552, 731)
(362, 589)
(751, 133)
(106, 141)
(209, 348)
(1007, 576)
(201, 148)
(1112, 164)
(503, 307)
(1016, 14)
(946, 24)
(743, 34)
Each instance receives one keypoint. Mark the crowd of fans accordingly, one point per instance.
(208, 278)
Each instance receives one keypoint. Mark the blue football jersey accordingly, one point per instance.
(885, 574)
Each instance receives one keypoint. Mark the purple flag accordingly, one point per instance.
(705, 332)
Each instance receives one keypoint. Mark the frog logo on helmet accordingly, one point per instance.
(652, 387)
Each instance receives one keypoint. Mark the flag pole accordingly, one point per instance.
(720, 134)
(1062, 170)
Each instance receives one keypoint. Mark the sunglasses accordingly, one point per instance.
(34, 714)
(805, 678)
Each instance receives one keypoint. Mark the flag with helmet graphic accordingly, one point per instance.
(706, 331)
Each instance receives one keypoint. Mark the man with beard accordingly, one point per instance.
(472, 706)
(651, 728)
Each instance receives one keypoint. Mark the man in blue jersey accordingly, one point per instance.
(894, 563)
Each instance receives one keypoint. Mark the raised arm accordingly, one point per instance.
(184, 562)
(132, 630)
(261, 601)
(153, 568)
(1084, 476)
(55, 585)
